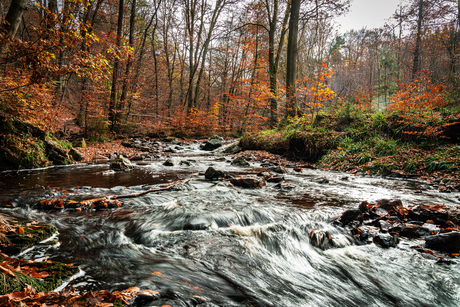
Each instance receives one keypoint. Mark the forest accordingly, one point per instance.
(195, 66)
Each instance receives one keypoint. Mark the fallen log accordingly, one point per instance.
(107, 202)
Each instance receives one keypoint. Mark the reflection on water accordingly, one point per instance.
(231, 246)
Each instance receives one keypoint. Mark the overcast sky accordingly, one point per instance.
(369, 13)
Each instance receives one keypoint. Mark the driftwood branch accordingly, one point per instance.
(168, 187)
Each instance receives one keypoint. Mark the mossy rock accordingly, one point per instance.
(33, 233)
(58, 272)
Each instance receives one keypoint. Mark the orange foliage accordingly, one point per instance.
(417, 102)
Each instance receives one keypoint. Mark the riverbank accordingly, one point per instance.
(366, 143)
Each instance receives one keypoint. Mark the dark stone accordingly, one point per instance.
(76, 155)
(187, 163)
(350, 215)
(364, 206)
(248, 181)
(197, 224)
(240, 161)
(447, 242)
(386, 240)
(232, 149)
(168, 163)
(389, 204)
(121, 163)
(212, 173)
(274, 178)
(454, 214)
(319, 238)
(286, 187)
(278, 169)
(384, 226)
(212, 144)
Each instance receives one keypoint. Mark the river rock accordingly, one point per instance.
(212, 173)
(76, 155)
(248, 181)
(350, 215)
(168, 163)
(278, 169)
(386, 240)
(240, 161)
(121, 163)
(447, 242)
(454, 214)
(231, 149)
(212, 144)
(438, 214)
(274, 178)
(389, 204)
(321, 180)
(319, 238)
(285, 187)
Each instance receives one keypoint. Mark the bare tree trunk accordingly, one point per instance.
(291, 65)
(113, 108)
(418, 41)
(124, 90)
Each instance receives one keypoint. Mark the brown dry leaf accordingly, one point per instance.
(157, 273)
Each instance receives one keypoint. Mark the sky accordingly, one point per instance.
(367, 13)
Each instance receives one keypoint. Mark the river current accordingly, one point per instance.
(207, 243)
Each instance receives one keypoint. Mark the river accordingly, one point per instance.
(212, 244)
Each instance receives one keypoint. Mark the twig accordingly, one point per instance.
(168, 187)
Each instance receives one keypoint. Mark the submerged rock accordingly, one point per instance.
(121, 163)
(212, 173)
(248, 181)
(278, 169)
(240, 161)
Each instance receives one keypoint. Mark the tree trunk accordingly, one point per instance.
(14, 16)
(418, 41)
(291, 65)
(113, 108)
(124, 90)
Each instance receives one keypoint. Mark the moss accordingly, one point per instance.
(33, 234)
(58, 273)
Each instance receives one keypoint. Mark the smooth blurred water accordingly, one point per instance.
(227, 245)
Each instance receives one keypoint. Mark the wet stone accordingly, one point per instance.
(240, 161)
(121, 163)
(389, 204)
(212, 144)
(278, 169)
(285, 187)
(384, 226)
(168, 163)
(447, 242)
(274, 178)
(386, 240)
(248, 181)
(321, 180)
(350, 215)
(212, 173)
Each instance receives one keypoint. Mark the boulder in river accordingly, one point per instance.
(240, 161)
(250, 182)
(278, 169)
(121, 163)
(231, 149)
(350, 215)
(386, 240)
(447, 242)
(168, 162)
(212, 144)
(212, 173)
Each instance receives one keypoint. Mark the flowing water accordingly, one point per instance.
(227, 245)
